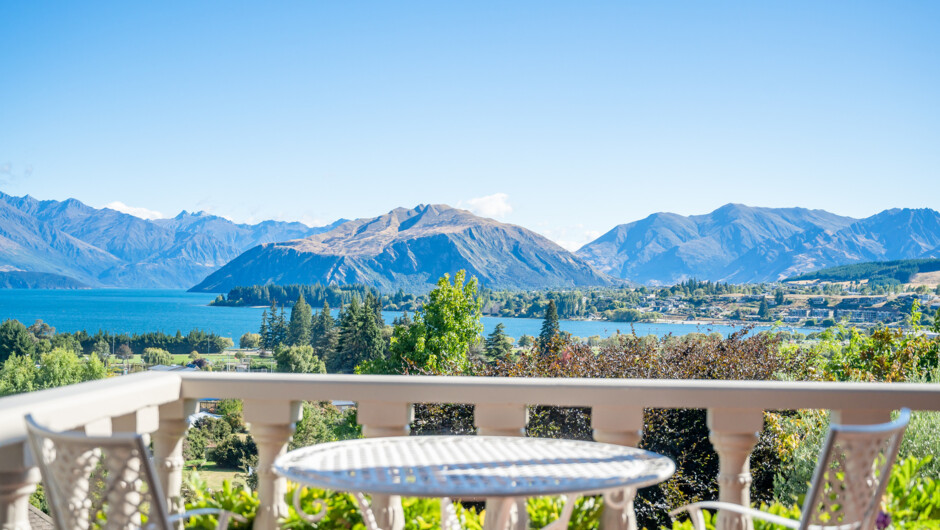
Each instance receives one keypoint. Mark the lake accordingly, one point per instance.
(143, 310)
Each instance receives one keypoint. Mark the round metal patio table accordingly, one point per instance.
(491, 467)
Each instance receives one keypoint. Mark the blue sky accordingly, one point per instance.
(564, 117)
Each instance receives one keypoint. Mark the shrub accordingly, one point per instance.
(234, 451)
(681, 434)
(194, 445)
(912, 500)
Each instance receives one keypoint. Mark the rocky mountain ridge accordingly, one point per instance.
(101, 247)
(738, 243)
(410, 249)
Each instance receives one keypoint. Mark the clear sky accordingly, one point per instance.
(564, 117)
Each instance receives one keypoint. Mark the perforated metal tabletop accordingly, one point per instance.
(472, 466)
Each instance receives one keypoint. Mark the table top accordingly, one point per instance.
(472, 466)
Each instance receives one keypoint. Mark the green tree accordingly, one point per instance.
(360, 338)
(220, 344)
(249, 341)
(550, 327)
(102, 349)
(58, 368)
(763, 311)
(439, 338)
(321, 423)
(298, 360)
(234, 452)
(93, 368)
(154, 356)
(498, 345)
(231, 412)
(18, 375)
(41, 330)
(264, 333)
(778, 297)
(324, 336)
(276, 328)
(301, 322)
(15, 339)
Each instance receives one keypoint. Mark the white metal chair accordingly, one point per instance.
(851, 475)
(104, 481)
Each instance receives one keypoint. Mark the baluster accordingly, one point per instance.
(271, 424)
(621, 426)
(379, 419)
(168, 449)
(502, 419)
(733, 433)
(17, 482)
(144, 422)
(100, 427)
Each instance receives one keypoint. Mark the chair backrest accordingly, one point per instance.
(852, 473)
(90, 477)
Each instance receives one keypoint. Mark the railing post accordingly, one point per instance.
(168, 449)
(502, 419)
(733, 433)
(17, 482)
(621, 426)
(379, 419)
(271, 424)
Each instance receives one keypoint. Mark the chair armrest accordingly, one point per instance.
(224, 516)
(695, 512)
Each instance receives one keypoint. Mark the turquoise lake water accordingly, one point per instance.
(143, 310)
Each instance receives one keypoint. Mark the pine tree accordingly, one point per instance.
(15, 340)
(550, 328)
(497, 344)
(763, 311)
(265, 331)
(360, 337)
(277, 328)
(324, 335)
(374, 303)
(344, 358)
(301, 322)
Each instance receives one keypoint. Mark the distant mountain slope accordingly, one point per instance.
(410, 249)
(737, 243)
(669, 248)
(898, 271)
(37, 280)
(107, 248)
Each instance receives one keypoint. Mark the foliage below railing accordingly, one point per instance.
(912, 500)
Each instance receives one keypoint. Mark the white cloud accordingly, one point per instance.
(571, 239)
(143, 213)
(495, 205)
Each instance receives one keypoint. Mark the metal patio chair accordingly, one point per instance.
(104, 481)
(852, 473)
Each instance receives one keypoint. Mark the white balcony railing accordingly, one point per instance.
(159, 403)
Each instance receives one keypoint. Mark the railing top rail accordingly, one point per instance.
(656, 393)
(74, 406)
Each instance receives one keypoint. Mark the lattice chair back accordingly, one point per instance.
(98, 481)
(852, 473)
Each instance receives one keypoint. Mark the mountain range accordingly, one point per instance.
(410, 249)
(739, 244)
(106, 248)
(68, 244)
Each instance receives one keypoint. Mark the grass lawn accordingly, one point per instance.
(181, 357)
(212, 473)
